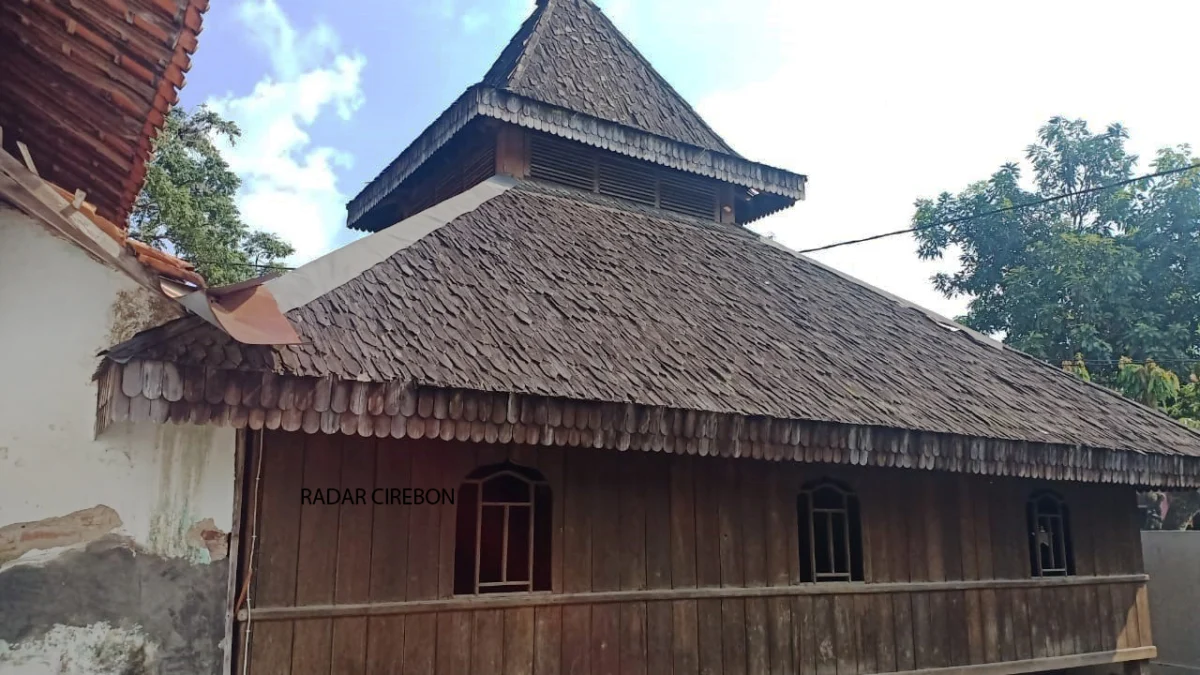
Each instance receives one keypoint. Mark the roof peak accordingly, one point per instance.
(569, 54)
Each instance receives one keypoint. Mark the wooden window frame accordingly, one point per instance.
(851, 532)
(1047, 514)
(536, 484)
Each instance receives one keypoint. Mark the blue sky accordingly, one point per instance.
(878, 102)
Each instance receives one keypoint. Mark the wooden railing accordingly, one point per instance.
(986, 626)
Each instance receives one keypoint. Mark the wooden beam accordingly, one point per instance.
(27, 158)
(288, 613)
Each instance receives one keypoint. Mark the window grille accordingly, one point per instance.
(502, 542)
(830, 533)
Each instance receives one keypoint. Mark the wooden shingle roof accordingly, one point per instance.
(558, 295)
(87, 85)
(569, 54)
(569, 72)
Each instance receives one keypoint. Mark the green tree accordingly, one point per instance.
(187, 207)
(1104, 275)
(1107, 283)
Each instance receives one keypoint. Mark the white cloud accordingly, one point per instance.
(473, 19)
(289, 185)
(880, 103)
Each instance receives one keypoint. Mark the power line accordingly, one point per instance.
(1006, 209)
(239, 264)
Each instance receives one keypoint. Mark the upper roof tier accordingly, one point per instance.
(569, 72)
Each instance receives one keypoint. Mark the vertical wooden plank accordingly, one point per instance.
(991, 625)
(685, 650)
(657, 497)
(732, 561)
(957, 632)
(949, 512)
(278, 536)
(456, 461)
(606, 639)
(825, 634)
(967, 524)
(420, 641)
(607, 556)
(711, 548)
(1106, 639)
(885, 642)
(940, 631)
(1002, 513)
(683, 524)
(1081, 521)
(1039, 623)
(984, 555)
(934, 517)
(317, 565)
(349, 649)
(1143, 612)
(424, 535)
(547, 637)
(550, 460)
(577, 529)
(923, 638)
(1019, 623)
(632, 527)
(454, 643)
(806, 641)
(576, 636)
(780, 518)
(868, 632)
(633, 638)
(897, 491)
(487, 643)
(390, 524)
(918, 527)
(518, 641)
(973, 600)
(753, 521)
(876, 515)
(903, 622)
(385, 645)
(780, 636)
(658, 637)
(758, 661)
(709, 627)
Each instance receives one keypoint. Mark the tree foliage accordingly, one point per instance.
(1109, 274)
(187, 205)
(1107, 282)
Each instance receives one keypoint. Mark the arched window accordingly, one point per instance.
(830, 533)
(502, 538)
(1050, 553)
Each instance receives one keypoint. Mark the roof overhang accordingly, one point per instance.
(87, 85)
(777, 187)
(160, 392)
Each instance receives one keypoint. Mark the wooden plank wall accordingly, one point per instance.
(646, 522)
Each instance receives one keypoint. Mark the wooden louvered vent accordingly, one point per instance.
(586, 168)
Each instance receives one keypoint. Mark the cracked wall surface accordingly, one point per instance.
(113, 550)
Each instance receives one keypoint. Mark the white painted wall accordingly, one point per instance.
(58, 308)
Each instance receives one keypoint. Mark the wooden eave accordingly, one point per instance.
(88, 85)
(497, 104)
(157, 391)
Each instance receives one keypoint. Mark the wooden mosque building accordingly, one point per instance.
(562, 413)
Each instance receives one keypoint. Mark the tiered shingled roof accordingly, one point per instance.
(521, 312)
(552, 294)
(569, 54)
(87, 85)
(571, 73)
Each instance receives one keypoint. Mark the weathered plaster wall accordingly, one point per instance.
(112, 549)
(1173, 563)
